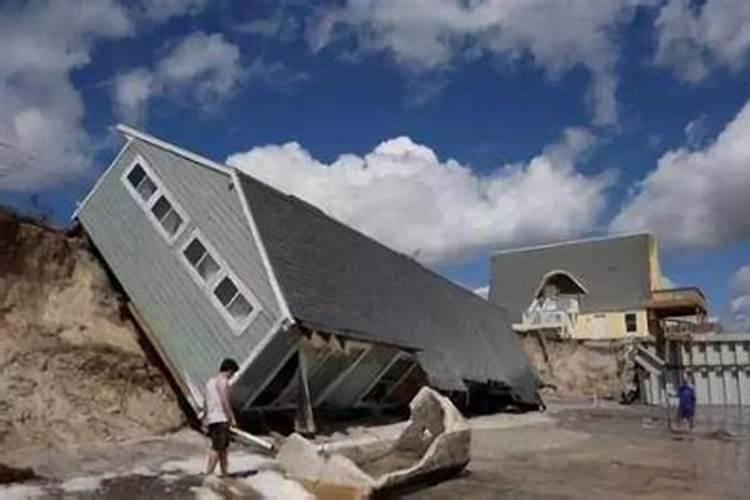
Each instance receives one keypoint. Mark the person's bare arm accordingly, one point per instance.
(224, 395)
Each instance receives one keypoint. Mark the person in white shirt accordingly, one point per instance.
(219, 416)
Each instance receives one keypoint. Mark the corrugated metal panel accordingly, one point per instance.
(719, 366)
(615, 271)
(175, 308)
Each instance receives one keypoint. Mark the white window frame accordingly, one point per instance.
(161, 190)
(208, 287)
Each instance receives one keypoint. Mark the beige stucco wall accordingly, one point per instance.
(655, 276)
(609, 325)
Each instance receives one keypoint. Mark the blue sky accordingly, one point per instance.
(444, 128)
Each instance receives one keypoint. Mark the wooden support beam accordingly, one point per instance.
(305, 421)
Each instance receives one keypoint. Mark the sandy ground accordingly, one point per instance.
(576, 451)
(571, 451)
(165, 468)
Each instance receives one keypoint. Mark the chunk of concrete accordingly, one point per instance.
(435, 441)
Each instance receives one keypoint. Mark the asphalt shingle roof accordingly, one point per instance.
(338, 278)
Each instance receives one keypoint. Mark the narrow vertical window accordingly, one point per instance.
(235, 302)
(631, 323)
(154, 199)
(141, 182)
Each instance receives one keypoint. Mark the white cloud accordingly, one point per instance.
(483, 291)
(132, 91)
(42, 140)
(162, 10)
(693, 38)
(740, 305)
(279, 26)
(402, 194)
(697, 198)
(425, 35)
(200, 69)
(696, 132)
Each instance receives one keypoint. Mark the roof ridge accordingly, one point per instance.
(578, 241)
(172, 148)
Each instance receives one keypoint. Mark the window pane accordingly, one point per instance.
(240, 308)
(146, 188)
(226, 291)
(172, 222)
(194, 252)
(161, 207)
(208, 268)
(136, 175)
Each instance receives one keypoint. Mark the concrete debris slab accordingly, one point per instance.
(435, 441)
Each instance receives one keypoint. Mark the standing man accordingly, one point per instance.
(686, 396)
(219, 415)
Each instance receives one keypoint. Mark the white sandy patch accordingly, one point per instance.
(238, 463)
(20, 492)
(142, 471)
(84, 483)
(273, 486)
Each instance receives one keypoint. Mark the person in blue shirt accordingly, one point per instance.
(686, 397)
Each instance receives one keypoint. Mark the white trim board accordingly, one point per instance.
(272, 374)
(283, 305)
(202, 160)
(333, 385)
(100, 180)
(380, 375)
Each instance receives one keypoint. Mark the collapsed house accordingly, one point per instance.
(600, 288)
(216, 263)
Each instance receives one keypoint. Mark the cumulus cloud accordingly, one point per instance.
(429, 35)
(694, 37)
(437, 210)
(697, 198)
(162, 10)
(278, 26)
(42, 140)
(200, 69)
(740, 305)
(696, 132)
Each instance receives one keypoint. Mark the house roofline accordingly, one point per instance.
(131, 132)
(569, 242)
(275, 285)
(100, 180)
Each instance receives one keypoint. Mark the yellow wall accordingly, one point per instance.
(610, 325)
(657, 282)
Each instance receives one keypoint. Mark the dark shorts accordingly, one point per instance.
(686, 412)
(219, 434)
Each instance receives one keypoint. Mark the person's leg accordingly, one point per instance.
(223, 446)
(213, 459)
(223, 462)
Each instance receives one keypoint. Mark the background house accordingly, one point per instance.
(602, 288)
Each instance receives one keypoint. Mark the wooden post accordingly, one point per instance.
(305, 421)
(664, 385)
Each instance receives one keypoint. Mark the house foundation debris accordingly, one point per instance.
(435, 441)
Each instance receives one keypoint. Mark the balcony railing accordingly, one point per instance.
(546, 320)
(685, 301)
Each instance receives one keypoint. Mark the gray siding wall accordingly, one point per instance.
(176, 309)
